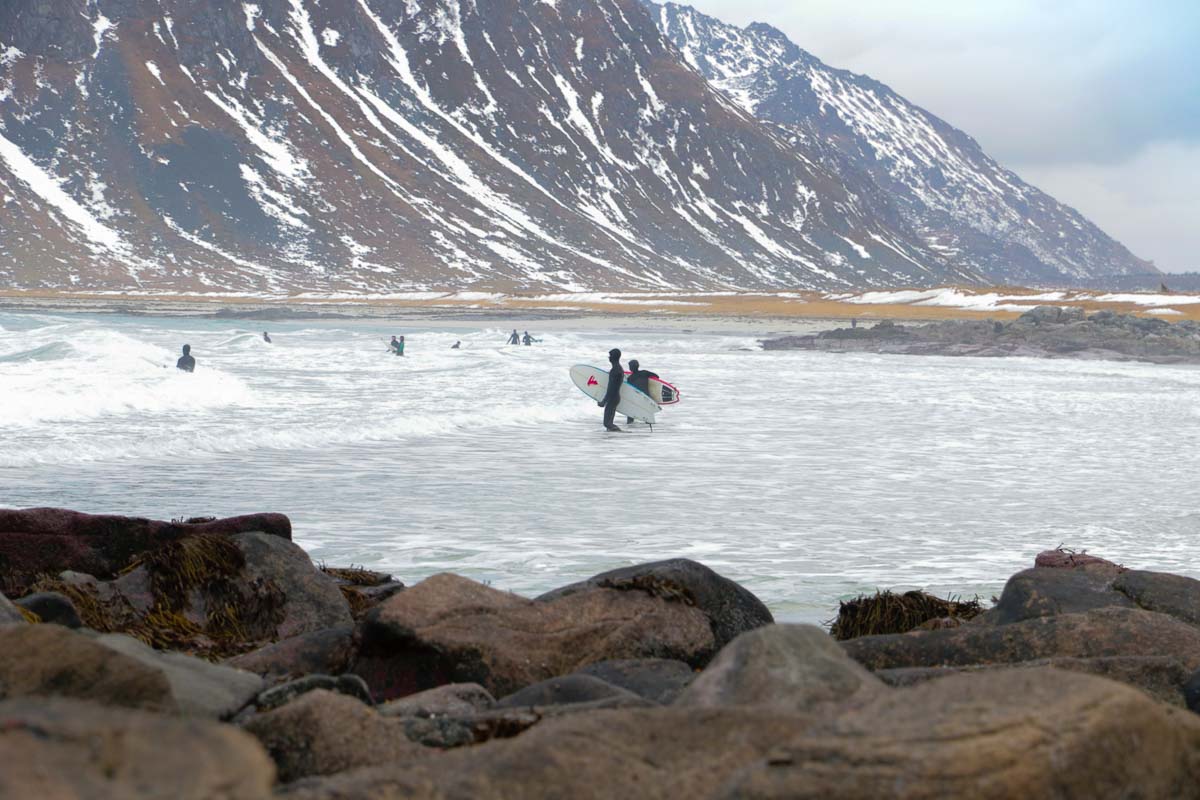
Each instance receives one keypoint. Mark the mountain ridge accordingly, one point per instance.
(354, 145)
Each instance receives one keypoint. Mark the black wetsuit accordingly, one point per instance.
(612, 397)
(514, 339)
(186, 363)
(640, 379)
(528, 340)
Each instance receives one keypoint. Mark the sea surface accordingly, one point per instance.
(808, 477)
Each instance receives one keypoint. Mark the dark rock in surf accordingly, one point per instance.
(731, 609)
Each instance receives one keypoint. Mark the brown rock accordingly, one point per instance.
(60, 748)
(1067, 559)
(569, 689)
(1042, 592)
(39, 541)
(1161, 677)
(43, 660)
(731, 608)
(322, 733)
(1011, 733)
(1100, 633)
(449, 629)
(329, 652)
(784, 667)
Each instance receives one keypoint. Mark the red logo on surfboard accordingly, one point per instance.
(592, 381)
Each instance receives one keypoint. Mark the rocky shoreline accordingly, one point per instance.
(211, 659)
(1042, 332)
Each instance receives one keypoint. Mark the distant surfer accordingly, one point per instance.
(515, 338)
(266, 337)
(186, 362)
(456, 345)
(397, 346)
(526, 339)
(612, 397)
(639, 379)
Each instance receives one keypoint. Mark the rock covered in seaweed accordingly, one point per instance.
(39, 541)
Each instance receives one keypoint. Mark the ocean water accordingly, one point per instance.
(807, 477)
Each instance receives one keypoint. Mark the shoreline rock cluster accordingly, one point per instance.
(1041, 332)
(658, 680)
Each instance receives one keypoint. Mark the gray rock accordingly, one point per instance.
(659, 680)
(785, 667)
(314, 601)
(329, 651)
(349, 685)
(52, 607)
(198, 687)
(451, 699)
(1043, 592)
(731, 609)
(1162, 592)
(563, 690)
(9, 614)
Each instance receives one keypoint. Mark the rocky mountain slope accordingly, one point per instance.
(360, 145)
(909, 166)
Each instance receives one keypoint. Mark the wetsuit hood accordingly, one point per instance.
(614, 355)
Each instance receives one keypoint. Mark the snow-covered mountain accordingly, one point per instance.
(333, 145)
(909, 166)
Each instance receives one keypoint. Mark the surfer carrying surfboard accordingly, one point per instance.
(639, 379)
(612, 397)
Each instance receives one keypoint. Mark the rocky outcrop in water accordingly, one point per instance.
(1041, 332)
(659, 680)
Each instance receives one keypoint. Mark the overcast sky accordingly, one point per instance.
(1095, 101)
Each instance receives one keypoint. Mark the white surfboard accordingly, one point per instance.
(635, 403)
(661, 392)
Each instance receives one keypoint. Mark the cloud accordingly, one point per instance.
(1075, 96)
(1147, 202)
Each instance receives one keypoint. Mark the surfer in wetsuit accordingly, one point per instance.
(397, 346)
(527, 339)
(266, 337)
(186, 362)
(456, 345)
(515, 338)
(639, 379)
(612, 397)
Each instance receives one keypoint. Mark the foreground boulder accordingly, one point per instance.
(1011, 733)
(38, 541)
(312, 599)
(1162, 677)
(666, 753)
(1100, 633)
(50, 660)
(323, 732)
(731, 609)
(60, 748)
(448, 629)
(785, 667)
